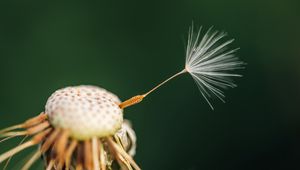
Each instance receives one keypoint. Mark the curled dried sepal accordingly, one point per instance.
(92, 154)
(61, 151)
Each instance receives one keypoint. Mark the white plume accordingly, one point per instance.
(210, 62)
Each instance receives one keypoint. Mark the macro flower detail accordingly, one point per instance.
(82, 127)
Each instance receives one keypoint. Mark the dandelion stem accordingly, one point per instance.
(120, 151)
(88, 160)
(102, 156)
(162, 83)
(35, 140)
(11, 128)
(31, 161)
(50, 165)
(95, 153)
(138, 98)
(15, 150)
(69, 153)
(8, 160)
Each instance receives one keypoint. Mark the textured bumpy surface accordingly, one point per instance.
(86, 111)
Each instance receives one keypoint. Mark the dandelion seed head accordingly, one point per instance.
(85, 110)
(210, 62)
(82, 127)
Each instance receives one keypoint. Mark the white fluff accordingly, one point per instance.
(210, 62)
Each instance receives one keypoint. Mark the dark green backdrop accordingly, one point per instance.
(129, 46)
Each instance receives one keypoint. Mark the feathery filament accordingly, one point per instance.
(210, 62)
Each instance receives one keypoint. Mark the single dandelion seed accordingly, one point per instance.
(82, 127)
(209, 61)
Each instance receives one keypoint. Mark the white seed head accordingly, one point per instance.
(210, 62)
(86, 111)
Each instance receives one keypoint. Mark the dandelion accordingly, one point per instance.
(82, 123)
(82, 127)
(209, 61)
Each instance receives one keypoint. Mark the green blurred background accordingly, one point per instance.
(129, 46)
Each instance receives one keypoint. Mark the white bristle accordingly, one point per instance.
(209, 61)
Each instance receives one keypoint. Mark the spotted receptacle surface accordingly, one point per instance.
(86, 111)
